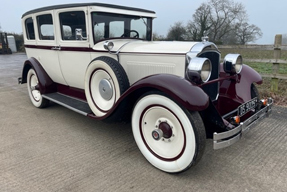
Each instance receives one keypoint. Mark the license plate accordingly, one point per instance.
(246, 107)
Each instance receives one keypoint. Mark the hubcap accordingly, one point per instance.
(166, 129)
(157, 134)
(34, 85)
(162, 133)
(106, 89)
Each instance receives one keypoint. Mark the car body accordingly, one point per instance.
(100, 61)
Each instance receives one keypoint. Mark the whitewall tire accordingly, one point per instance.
(33, 90)
(105, 82)
(170, 138)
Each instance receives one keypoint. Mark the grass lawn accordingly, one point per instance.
(254, 53)
(266, 68)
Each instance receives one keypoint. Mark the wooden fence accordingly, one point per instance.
(276, 60)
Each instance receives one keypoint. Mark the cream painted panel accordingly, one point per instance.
(47, 57)
(138, 66)
(74, 65)
(49, 61)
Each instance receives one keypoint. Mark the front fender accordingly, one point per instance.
(247, 76)
(46, 84)
(182, 91)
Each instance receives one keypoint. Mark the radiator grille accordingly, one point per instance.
(212, 89)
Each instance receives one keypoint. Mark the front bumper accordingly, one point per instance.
(225, 139)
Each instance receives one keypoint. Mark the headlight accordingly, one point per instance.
(199, 70)
(232, 63)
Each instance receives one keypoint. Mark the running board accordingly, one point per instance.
(71, 103)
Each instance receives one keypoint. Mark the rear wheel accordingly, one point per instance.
(171, 138)
(33, 90)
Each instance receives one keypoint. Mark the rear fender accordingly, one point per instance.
(46, 85)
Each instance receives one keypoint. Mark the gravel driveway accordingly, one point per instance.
(55, 149)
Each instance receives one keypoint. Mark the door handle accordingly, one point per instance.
(56, 48)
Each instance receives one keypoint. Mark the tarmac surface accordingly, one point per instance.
(55, 149)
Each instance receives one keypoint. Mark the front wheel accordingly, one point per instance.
(171, 138)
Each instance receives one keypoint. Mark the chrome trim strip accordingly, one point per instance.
(198, 48)
(226, 143)
(225, 139)
(224, 135)
(64, 105)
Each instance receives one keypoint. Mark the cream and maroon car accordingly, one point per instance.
(99, 60)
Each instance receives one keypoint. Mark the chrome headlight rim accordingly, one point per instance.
(199, 70)
(233, 63)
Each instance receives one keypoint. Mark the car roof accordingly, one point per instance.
(83, 5)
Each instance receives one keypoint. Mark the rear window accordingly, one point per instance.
(29, 25)
(45, 27)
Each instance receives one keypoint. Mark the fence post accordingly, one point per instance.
(277, 56)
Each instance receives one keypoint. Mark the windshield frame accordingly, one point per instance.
(106, 19)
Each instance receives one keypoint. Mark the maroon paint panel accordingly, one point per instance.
(88, 49)
(182, 91)
(46, 85)
(72, 91)
(237, 89)
(77, 49)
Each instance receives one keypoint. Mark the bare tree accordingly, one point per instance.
(225, 21)
(201, 23)
(248, 33)
(224, 17)
(177, 32)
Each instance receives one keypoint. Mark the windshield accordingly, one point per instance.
(108, 25)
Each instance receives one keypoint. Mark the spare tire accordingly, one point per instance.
(105, 82)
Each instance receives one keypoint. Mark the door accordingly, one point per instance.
(46, 51)
(74, 47)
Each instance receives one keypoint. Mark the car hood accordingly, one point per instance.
(153, 47)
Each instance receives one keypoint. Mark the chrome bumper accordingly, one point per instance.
(225, 139)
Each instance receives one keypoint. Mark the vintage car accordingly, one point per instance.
(100, 60)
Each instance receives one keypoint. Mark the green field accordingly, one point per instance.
(266, 68)
(253, 53)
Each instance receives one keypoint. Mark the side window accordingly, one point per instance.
(45, 27)
(73, 26)
(30, 29)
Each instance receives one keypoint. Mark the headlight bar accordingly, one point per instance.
(199, 70)
(232, 63)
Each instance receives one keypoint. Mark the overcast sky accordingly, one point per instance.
(268, 15)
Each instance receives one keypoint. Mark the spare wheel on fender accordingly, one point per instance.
(105, 82)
